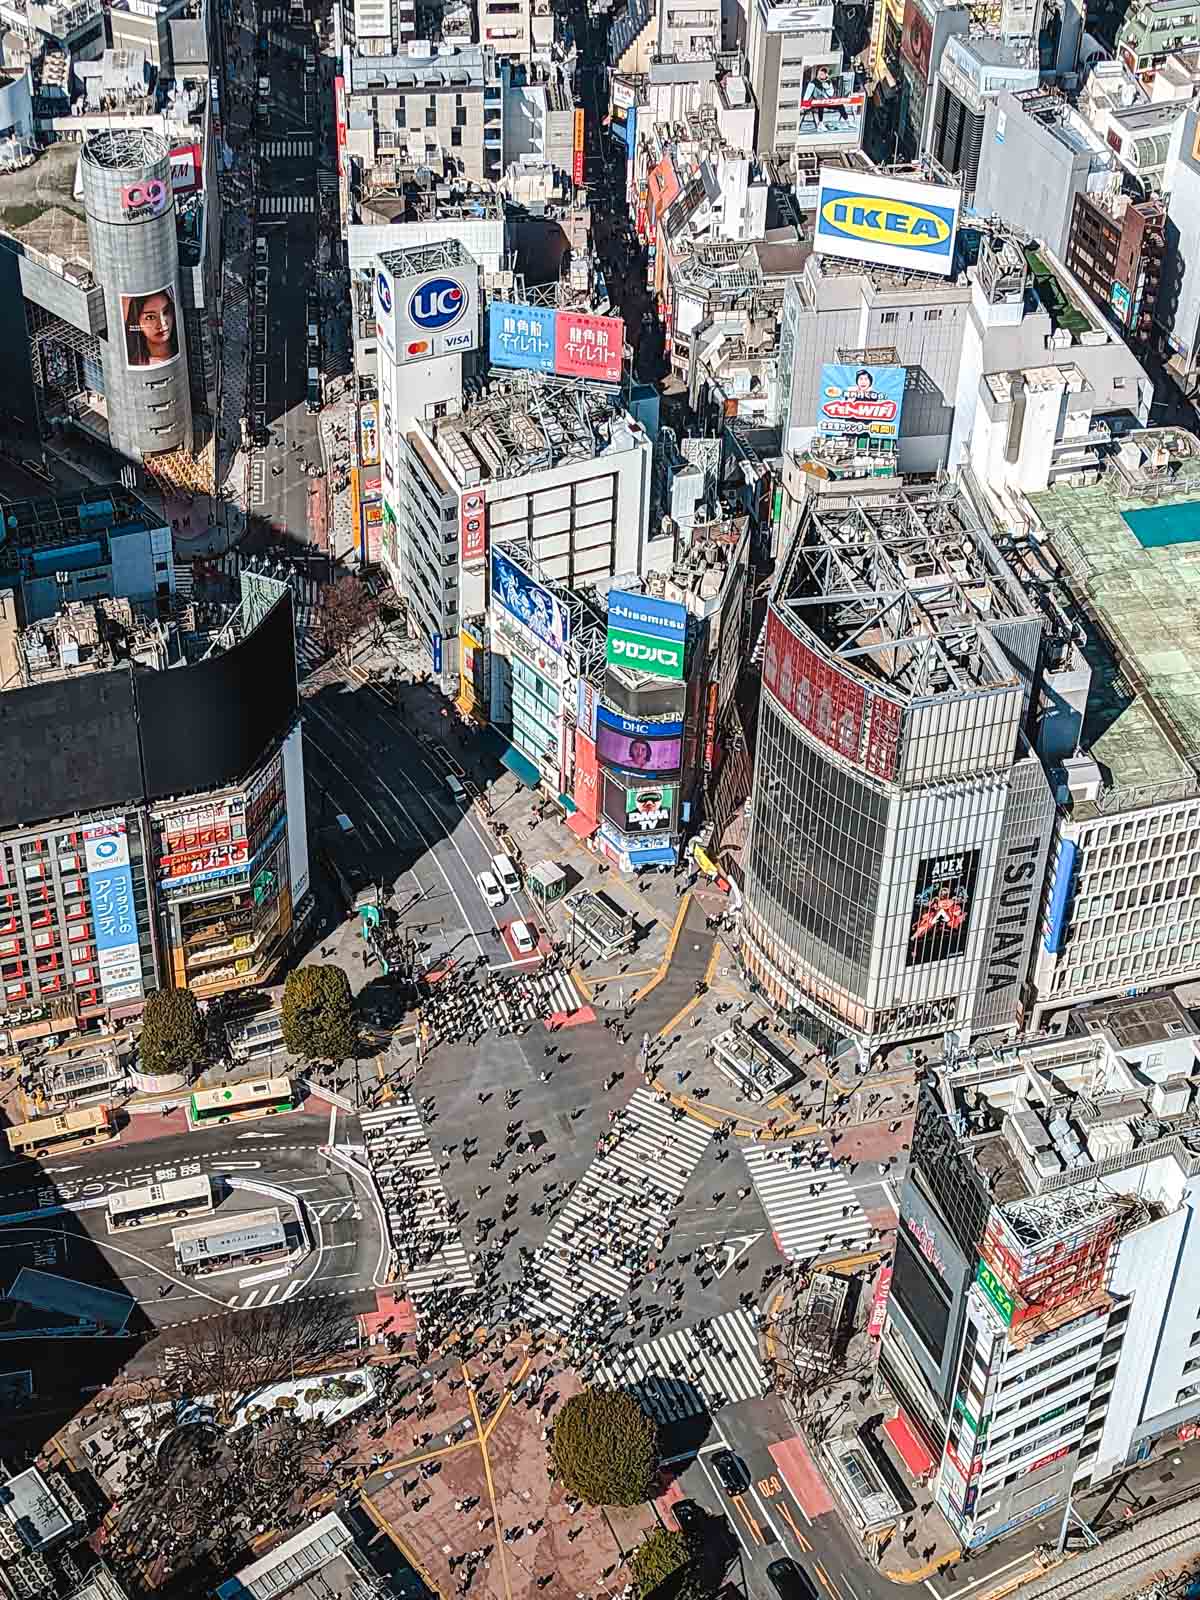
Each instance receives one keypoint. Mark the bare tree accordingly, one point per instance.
(347, 608)
(229, 1360)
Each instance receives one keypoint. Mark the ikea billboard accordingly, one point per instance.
(890, 222)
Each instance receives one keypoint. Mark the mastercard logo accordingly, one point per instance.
(419, 347)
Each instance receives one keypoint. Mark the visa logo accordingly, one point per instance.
(456, 341)
(892, 222)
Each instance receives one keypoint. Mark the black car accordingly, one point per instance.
(791, 1582)
(731, 1470)
(689, 1517)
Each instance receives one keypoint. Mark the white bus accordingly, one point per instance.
(241, 1102)
(156, 1203)
(247, 1240)
(71, 1130)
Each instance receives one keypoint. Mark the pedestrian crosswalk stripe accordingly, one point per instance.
(812, 1209)
(299, 144)
(614, 1218)
(692, 1370)
(286, 205)
(551, 994)
(426, 1244)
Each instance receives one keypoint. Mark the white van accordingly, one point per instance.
(456, 789)
(508, 875)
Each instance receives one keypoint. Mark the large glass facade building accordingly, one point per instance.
(900, 820)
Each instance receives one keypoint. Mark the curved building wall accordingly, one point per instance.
(877, 905)
(130, 210)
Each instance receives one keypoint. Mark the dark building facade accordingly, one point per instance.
(1115, 249)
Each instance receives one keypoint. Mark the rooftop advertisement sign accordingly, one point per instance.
(856, 400)
(571, 344)
(888, 222)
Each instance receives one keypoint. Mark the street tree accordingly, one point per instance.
(172, 1036)
(318, 1014)
(347, 609)
(665, 1566)
(605, 1448)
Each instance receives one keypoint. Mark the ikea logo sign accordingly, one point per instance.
(891, 221)
(880, 222)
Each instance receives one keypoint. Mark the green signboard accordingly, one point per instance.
(996, 1292)
(663, 658)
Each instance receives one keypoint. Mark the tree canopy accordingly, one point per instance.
(605, 1448)
(172, 1036)
(318, 1014)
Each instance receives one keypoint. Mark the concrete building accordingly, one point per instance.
(555, 462)
(972, 72)
(807, 95)
(1152, 31)
(105, 543)
(1039, 154)
(900, 821)
(1115, 249)
(1179, 295)
(1040, 1333)
(152, 826)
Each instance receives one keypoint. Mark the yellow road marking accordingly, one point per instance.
(786, 1514)
(827, 1580)
(491, 1487)
(748, 1519)
(507, 1401)
(673, 940)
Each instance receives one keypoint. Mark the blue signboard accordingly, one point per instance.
(521, 336)
(540, 611)
(111, 895)
(646, 614)
(110, 890)
(631, 728)
(1060, 893)
(435, 650)
(892, 221)
(861, 399)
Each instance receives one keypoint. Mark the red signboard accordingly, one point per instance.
(916, 40)
(472, 526)
(577, 154)
(588, 347)
(710, 728)
(883, 736)
(339, 102)
(879, 1302)
(821, 699)
(1055, 1455)
(587, 777)
(212, 858)
(187, 168)
(663, 186)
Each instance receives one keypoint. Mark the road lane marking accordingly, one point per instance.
(265, 1277)
(748, 1518)
(791, 1522)
(331, 1141)
(827, 1580)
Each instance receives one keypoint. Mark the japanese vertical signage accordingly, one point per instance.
(995, 1292)
(577, 153)
(110, 890)
(472, 526)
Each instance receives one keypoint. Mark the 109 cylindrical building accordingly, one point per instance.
(130, 206)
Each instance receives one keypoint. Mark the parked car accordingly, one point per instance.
(731, 1471)
(490, 889)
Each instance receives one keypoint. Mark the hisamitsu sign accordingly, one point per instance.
(892, 222)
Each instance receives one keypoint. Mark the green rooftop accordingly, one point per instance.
(1147, 599)
(1064, 312)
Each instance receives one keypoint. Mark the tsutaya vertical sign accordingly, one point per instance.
(577, 153)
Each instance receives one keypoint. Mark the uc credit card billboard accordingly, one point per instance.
(861, 399)
(428, 313)
(571, 344)
(891, 222)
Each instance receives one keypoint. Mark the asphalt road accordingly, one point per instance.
(280, 1166)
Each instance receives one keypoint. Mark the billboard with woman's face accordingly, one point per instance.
(638, 746)
(151, 328)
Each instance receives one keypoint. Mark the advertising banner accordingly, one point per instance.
(472, 689)
(587, 776)
(894, 222)
(187, 169)
(147, 198)
(710, 727)
(881, 748)
(521, 336)
(820, 698)
(643, 613)
(831, 108)
(916, 39)
(577, 149)
(435, 313)
(857, 400)
(638, 752)
(541, 612)
(999, 1296)
(940, 920)
(110, 890)
(799, 19)
(339, 104)
(385, 310)
(588, 347)
(151, 328)
(368, 433)
(663, 186)
(662, 658)
(472, 526)
(585, 708)
(649, 810)
(569, 343)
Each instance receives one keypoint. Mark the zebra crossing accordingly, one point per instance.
(271, 1295)
(292, 146)
(286, 205)
(811, 1208)
(310, 655)
(543, 994)
(692, 1370)
(615, 1217)
(426, 1245)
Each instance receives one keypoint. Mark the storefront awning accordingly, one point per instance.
(567, 804)
(521, 767)
(647, 858)
(908, 1447)
(581, 825)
